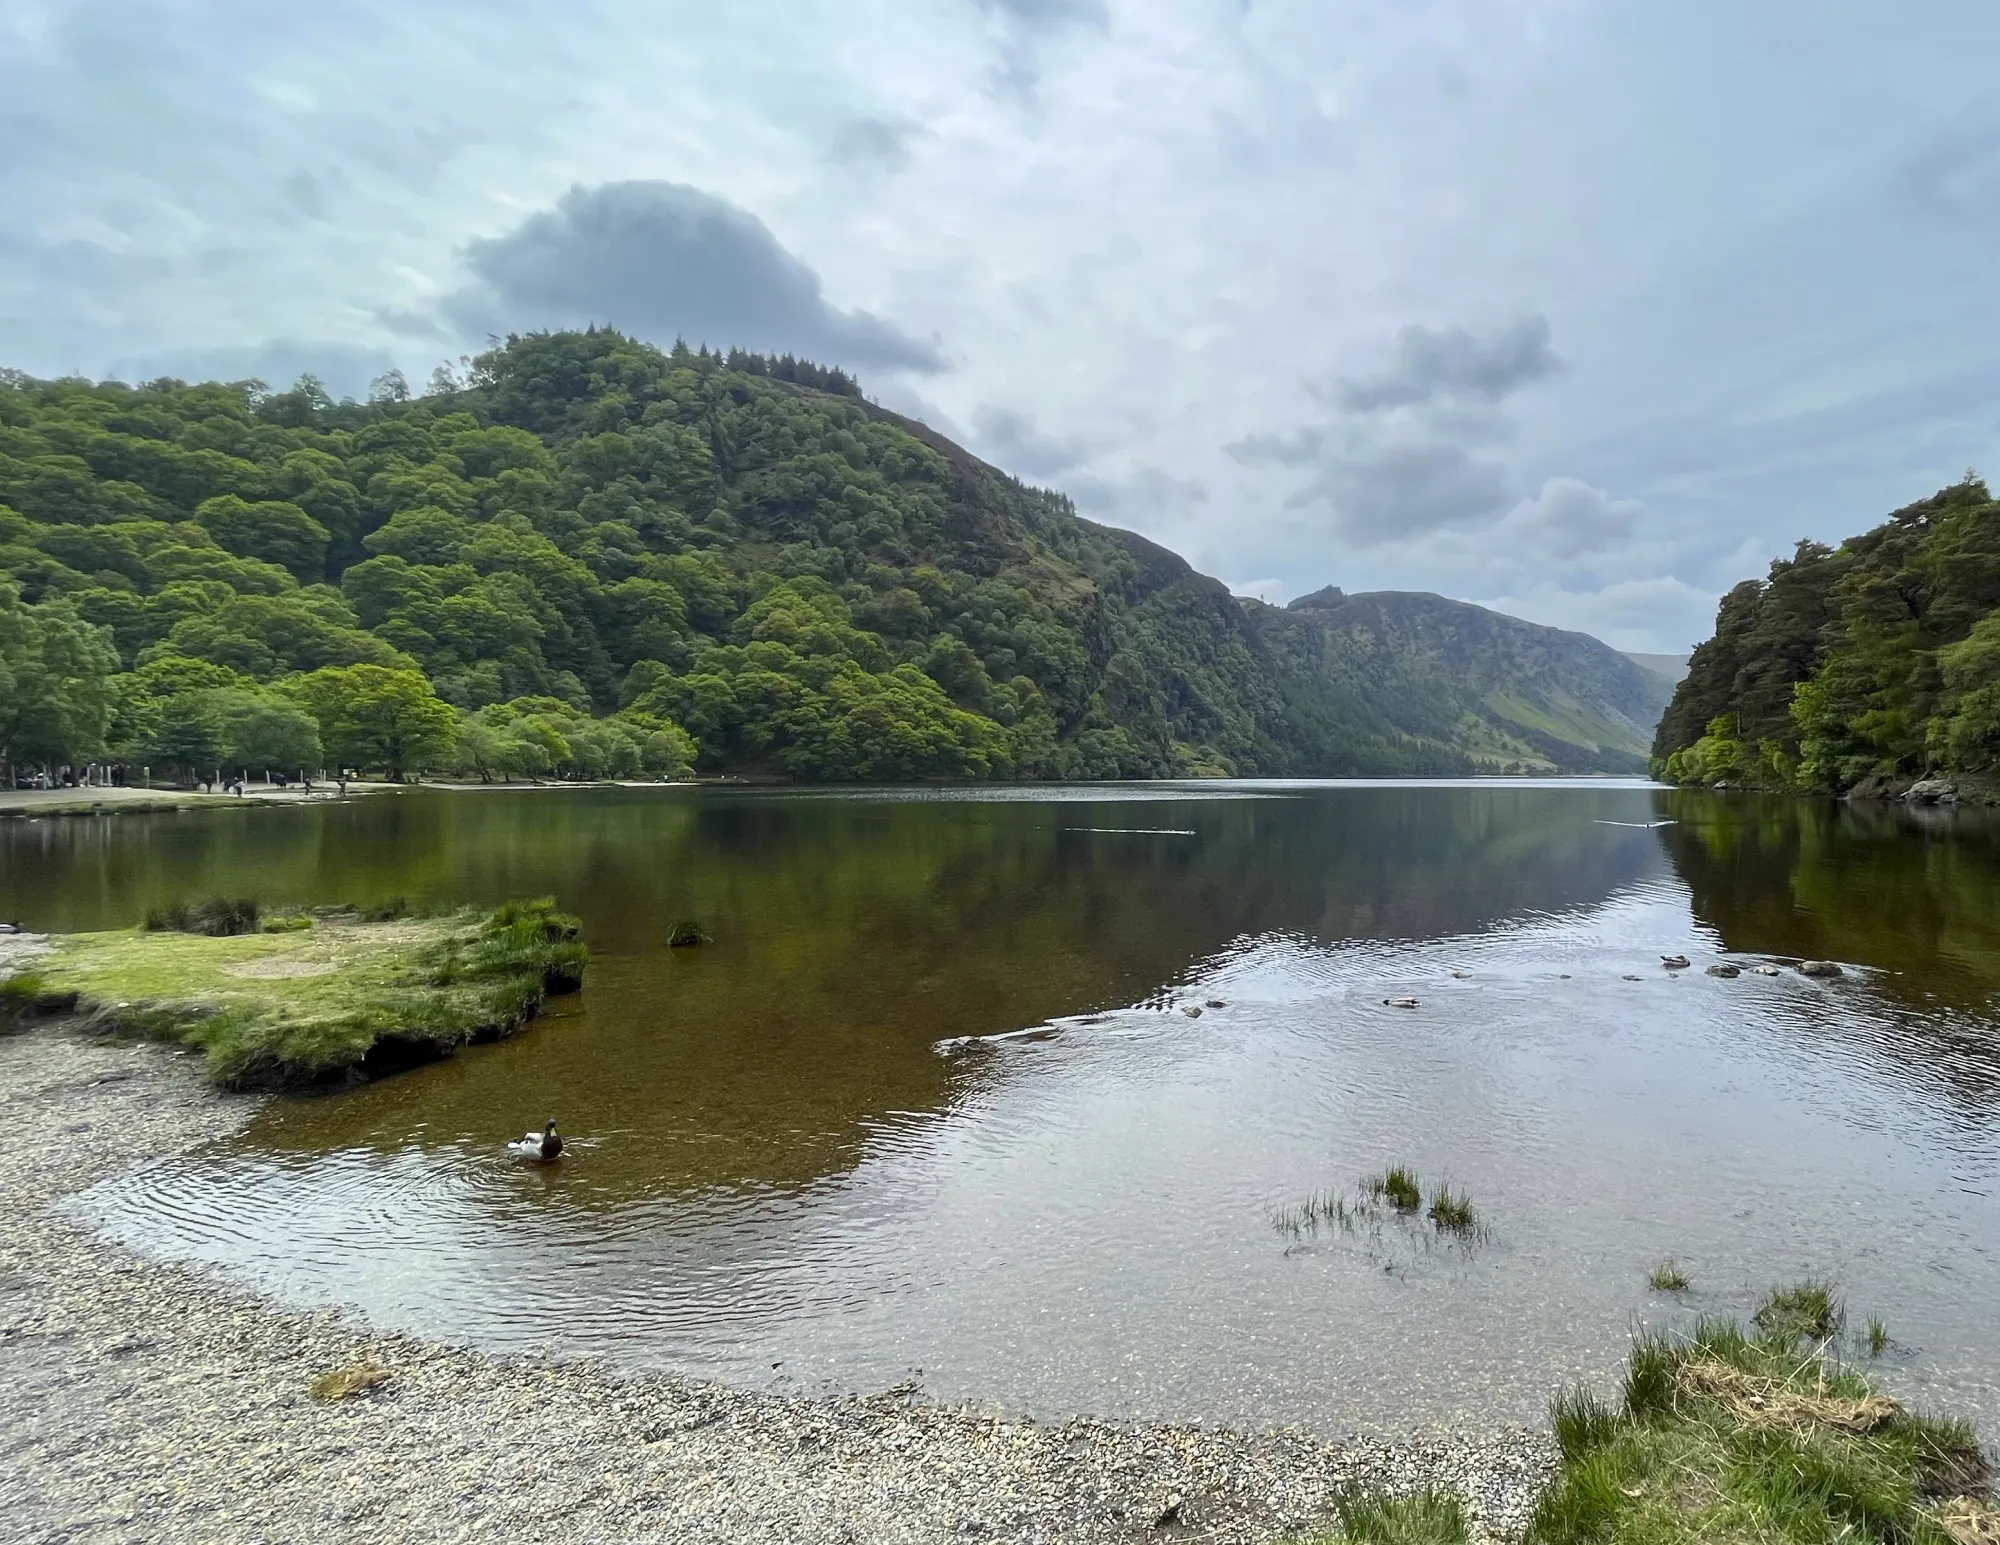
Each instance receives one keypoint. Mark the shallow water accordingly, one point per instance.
(791, 1168)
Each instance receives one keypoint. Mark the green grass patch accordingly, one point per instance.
(1452, 1211)
(347, 996)
(1422, 1518)
(685, 933)
(1725, 1435)
(1878, 1336)
(1811, 1308)
(1668, 1278)
(1397, 1186)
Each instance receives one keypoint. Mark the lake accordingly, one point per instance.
(929, 1105)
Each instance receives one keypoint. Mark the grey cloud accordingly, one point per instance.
(1012, 440)
(664, 260)
(874, 141)
(1295, 450)
(1149, 491)
(1571, 519)
(1049, 13)
(1435, 364)
(1385, 492)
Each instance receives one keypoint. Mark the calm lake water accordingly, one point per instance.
(786, 1174)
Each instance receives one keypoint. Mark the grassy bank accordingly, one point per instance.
(308, 998)
(1729, 1434)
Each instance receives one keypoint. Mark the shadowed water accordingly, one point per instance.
(817, 1153)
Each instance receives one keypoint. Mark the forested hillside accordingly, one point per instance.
(595, 558)
(1877, 661)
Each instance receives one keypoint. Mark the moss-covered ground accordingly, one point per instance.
(345, 994)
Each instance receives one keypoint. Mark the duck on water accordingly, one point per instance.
(541, 1147)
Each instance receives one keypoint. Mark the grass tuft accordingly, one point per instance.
(1452, 1211)
(1398, 1186)
(1581, 1421)
(216, 917)
(1878, 1336)
(685, 933)
(1424, 1518)
(1809, 1309)
(1669, 1278)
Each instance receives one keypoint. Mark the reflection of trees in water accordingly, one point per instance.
(1915, 893)
(849, 936)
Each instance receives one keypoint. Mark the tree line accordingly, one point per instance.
(588, 557)
(1875, 660)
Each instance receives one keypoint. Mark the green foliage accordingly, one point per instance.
(1877, 659)
(731, 563)
(1809, 1308)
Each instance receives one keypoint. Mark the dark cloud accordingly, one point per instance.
(663, 260)
(1012, 440)
(1432, 365)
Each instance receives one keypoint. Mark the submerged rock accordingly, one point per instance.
(1402, 1003)
(1724, 968)
(1765, 970)
(1633, 977)
(1192, 1010)
(1217, 1003)
(1819, 968)
(1675, 962)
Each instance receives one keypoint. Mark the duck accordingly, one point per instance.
(1675, 962)
(542, 1146)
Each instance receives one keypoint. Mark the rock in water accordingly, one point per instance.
(1819, 968)
(1402, 1003)
(1192, 1010)
(1765, 970)
(1724, 968)
(1675, 962)
(1932, 791)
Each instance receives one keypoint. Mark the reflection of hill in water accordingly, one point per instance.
(849, 936)
(1914, 893)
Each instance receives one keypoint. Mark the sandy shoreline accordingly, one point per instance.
(152, 1402)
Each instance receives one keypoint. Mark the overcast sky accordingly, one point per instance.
(1582, 311)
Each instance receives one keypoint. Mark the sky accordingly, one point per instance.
(1581, 311)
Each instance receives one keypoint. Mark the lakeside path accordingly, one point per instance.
(144, 1401)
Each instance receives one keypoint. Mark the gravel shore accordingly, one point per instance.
(144, 1401)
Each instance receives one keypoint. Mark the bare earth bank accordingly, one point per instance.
(142, 1401)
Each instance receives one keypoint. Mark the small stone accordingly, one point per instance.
(1724, 968)
(1192, 1010)
(1819, 968)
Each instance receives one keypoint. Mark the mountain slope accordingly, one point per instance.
(598, 558)
(1530, 697)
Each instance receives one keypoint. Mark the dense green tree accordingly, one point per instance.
(1874, 659)
(56, 691)
(371, 717)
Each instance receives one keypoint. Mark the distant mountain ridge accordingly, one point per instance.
(1532, 697)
